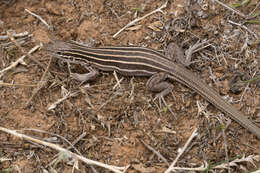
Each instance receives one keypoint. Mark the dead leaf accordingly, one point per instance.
(156, 26)
(141, 168)
(134, 28)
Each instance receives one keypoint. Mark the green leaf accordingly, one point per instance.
(239, 4)
(252, 22)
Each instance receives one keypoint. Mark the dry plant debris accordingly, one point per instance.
(114, 120)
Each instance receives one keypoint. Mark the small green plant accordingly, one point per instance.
(138, 9)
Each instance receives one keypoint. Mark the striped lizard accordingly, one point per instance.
(139, 61)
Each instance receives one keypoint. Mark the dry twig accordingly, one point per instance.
(117, 80)
(244, 27)
(69, 153)
(258, 4)
(71, 146)
(155, 152)
(19, 85)
(141, 18)
(250, 159)
(231, 9)
(40, 18)
(23, 34)
(40, 85)
(20, 60)
(66, 96)
(23, 51)
(203, 167)
(194, 134)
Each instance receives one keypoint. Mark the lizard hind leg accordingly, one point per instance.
(157, 83)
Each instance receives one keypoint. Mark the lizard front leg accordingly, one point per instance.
(157, 83)
(93, 73)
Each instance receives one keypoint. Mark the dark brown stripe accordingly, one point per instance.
(119, 57)
(110, 65)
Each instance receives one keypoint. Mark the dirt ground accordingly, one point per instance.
(121, 125)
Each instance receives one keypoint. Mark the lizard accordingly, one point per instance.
(140, 61)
